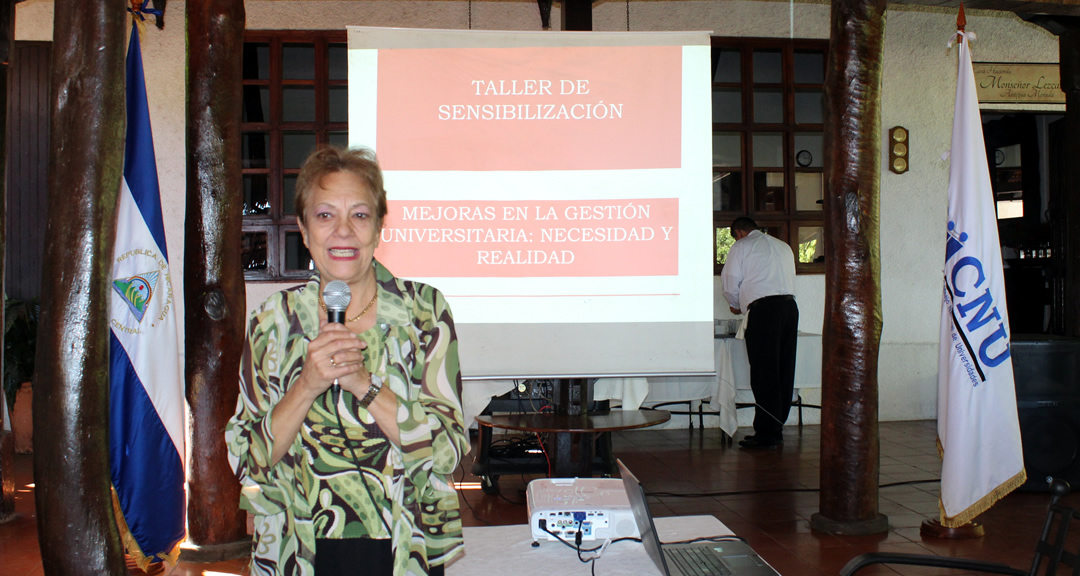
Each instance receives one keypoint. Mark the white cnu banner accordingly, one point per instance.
(978, 430)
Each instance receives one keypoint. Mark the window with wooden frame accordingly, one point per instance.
(768, 128)
(295, 98)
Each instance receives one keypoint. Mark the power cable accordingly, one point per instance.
(773, 490)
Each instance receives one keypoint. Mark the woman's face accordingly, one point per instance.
(340, 228)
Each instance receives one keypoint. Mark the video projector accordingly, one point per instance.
(598, 507)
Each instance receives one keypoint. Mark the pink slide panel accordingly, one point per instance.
(537, 238)
(564, 108)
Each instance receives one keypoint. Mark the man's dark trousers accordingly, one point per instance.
(772, 332)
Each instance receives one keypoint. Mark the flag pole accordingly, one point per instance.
(932, 527)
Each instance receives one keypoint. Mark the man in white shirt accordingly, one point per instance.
(759, 280)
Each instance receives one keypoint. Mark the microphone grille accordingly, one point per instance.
(337, 295)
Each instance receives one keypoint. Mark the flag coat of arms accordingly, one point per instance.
(146, 429)
(978, 429)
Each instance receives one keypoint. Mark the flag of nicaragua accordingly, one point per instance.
(146, 430)
(978, 430)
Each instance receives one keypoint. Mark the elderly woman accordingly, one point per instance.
(350, 432)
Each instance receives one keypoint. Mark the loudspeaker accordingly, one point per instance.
(1047, 374)
(1051, 437)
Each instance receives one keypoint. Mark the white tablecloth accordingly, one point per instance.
(732, 375)
(509, 550)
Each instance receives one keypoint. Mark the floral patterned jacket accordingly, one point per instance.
(353, 484)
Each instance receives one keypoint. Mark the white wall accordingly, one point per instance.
(917, 93)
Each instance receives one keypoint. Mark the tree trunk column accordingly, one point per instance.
(213, 276)
(1069, 58)
(852, 327)
(7, 440)
(77, 529)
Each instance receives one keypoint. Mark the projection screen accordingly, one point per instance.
(556, 186)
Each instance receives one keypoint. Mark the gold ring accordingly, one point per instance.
(332, 362)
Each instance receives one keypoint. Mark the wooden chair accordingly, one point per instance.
(1050, 548)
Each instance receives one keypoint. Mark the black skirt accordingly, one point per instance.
(357, 557)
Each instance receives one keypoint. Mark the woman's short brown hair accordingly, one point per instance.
(330, 159)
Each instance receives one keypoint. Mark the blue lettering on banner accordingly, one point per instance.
(984, 303)
(979, 311)
(962, 263)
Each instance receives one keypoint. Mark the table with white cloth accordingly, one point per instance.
(509, 549)
(732, 380)
(568, 447)
(721, 393)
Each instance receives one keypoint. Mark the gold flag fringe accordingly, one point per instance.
(136, 9)
(134, 551)
(140, 25)
(984, 503)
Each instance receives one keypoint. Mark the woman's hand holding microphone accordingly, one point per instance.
(335, 356)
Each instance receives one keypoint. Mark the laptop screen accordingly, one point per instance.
(734, 555)
(640, 508)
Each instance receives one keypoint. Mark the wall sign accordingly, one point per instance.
(1013, 82)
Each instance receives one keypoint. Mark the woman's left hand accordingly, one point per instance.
(357, 379)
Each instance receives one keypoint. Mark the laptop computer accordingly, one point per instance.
(720, 558)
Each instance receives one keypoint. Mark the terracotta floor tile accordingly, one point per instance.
(928, 509)
(909, 493)
(907, 520)
(753, 492)
(812, 543)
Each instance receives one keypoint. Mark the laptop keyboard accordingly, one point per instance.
(696, 562)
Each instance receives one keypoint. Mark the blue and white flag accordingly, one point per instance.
(978, 430)
(146, 428)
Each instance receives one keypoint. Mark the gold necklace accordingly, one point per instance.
(374, 297)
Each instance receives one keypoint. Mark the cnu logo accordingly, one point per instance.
(979, 310)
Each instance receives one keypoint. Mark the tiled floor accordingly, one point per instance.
(766, 497)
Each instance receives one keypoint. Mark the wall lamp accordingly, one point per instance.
(898, 149)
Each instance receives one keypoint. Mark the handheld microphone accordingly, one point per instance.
(336, 297)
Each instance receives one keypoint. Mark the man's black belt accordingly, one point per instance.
(774, 299)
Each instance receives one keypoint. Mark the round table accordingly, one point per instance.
(566, 461)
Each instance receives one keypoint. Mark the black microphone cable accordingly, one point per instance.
(335, 393)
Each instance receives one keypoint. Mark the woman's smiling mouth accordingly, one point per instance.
(342, 252)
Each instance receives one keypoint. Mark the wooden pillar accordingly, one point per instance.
(76, 526)
(852, 327)
(577, 15)
(7, 440)
(213, 275)
(1069, 59)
